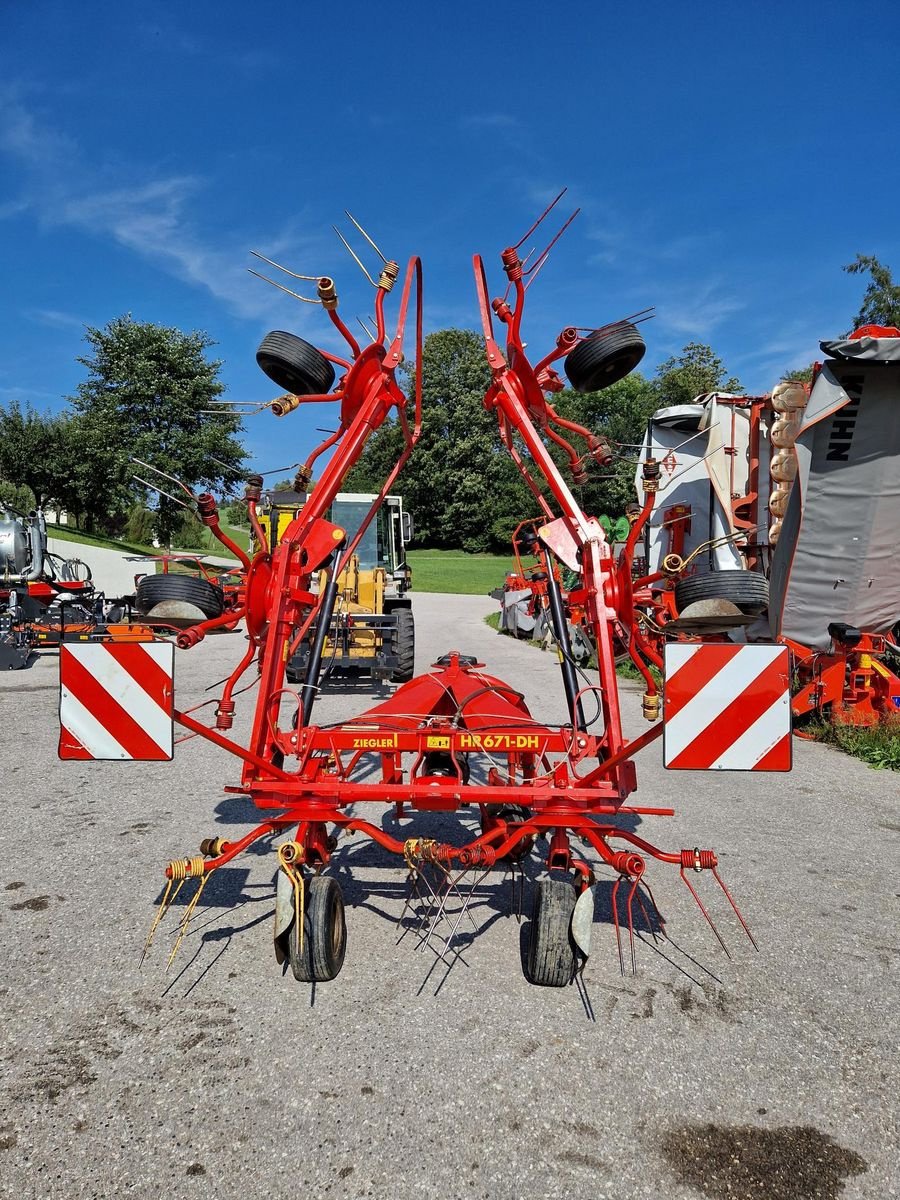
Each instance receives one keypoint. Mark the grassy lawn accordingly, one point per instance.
(210, 544)
(878, 745)
(458, 572)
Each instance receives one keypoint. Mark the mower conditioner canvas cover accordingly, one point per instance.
(837, 556)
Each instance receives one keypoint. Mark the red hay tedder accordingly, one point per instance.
(456, 735)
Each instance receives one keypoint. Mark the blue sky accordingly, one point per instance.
(728, 160)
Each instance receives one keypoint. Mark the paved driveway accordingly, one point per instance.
(698, 1077)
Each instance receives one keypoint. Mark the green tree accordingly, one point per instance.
(800, 375)
(21, 498)
(697, 369)
(619, 413)
(34, 452)
(460, 485)
(144, 396)
(881, 301)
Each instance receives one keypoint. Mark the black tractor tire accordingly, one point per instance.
(154, 589)
(552, 956)
(295, 365)
(404, 645)
(747, 590)
(324, 933)
(604, 358)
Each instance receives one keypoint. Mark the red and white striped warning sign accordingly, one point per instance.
(727, 707)
(116, 700)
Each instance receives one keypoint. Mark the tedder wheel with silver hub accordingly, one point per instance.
(551, 951)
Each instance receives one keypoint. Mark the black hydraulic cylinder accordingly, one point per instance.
(323, 624)
(561, 632)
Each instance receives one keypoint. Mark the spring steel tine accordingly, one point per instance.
(160, 913)
(737, 911)
(545, 254)
(366, 330)
(646, 915)
(164, 474)
(525, 236)
(615, 916)
(452, 885)
(186, 919)
(366, 236)
(154, 488)
(631, 892)
(659, 917)
(709, 919)
(412, 892)
(350, 251)
(465, 908)
(282, 288)
(279, 267)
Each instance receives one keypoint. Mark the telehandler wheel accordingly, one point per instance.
(404, 645)
(748, 590)
(551, 951)
(295, 365)
(156, 589)
(604, 358)
(324, 933)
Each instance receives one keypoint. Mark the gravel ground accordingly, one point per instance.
(766, 1077)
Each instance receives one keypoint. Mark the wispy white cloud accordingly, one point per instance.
(54, 318)
(151, 218)
(694, 310)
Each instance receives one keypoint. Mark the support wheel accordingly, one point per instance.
(324, 933)
(604, 358)
(551, 950)
(184, 589)
(748, 590)
(295, 365)
(404, 645)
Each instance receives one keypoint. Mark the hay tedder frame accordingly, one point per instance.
(455, 736)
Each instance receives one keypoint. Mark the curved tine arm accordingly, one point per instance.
(549, 208)
(574, 460)
(495, 357)
(323, 446)
(394, 354)
(337, 360)
(344, 332)
(572, 426)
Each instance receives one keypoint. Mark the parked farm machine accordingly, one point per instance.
(776, 515)
(456, 735)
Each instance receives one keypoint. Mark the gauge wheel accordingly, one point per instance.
(604, 358)
(295, 365)
(747, 590)
(551, 950)
(324, 933)
(156, 589)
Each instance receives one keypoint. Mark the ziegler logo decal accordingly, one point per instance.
(844, 423)
(498, 741)
(375, 743)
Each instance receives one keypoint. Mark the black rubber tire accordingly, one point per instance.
(324, 933)
(404, 645)
(294, 365)
(748, 590)
(154, 589)
(604, 358)
(552, 956)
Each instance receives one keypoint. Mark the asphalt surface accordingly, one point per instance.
(771, 1075)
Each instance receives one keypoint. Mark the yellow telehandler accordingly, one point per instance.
(372, 630)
